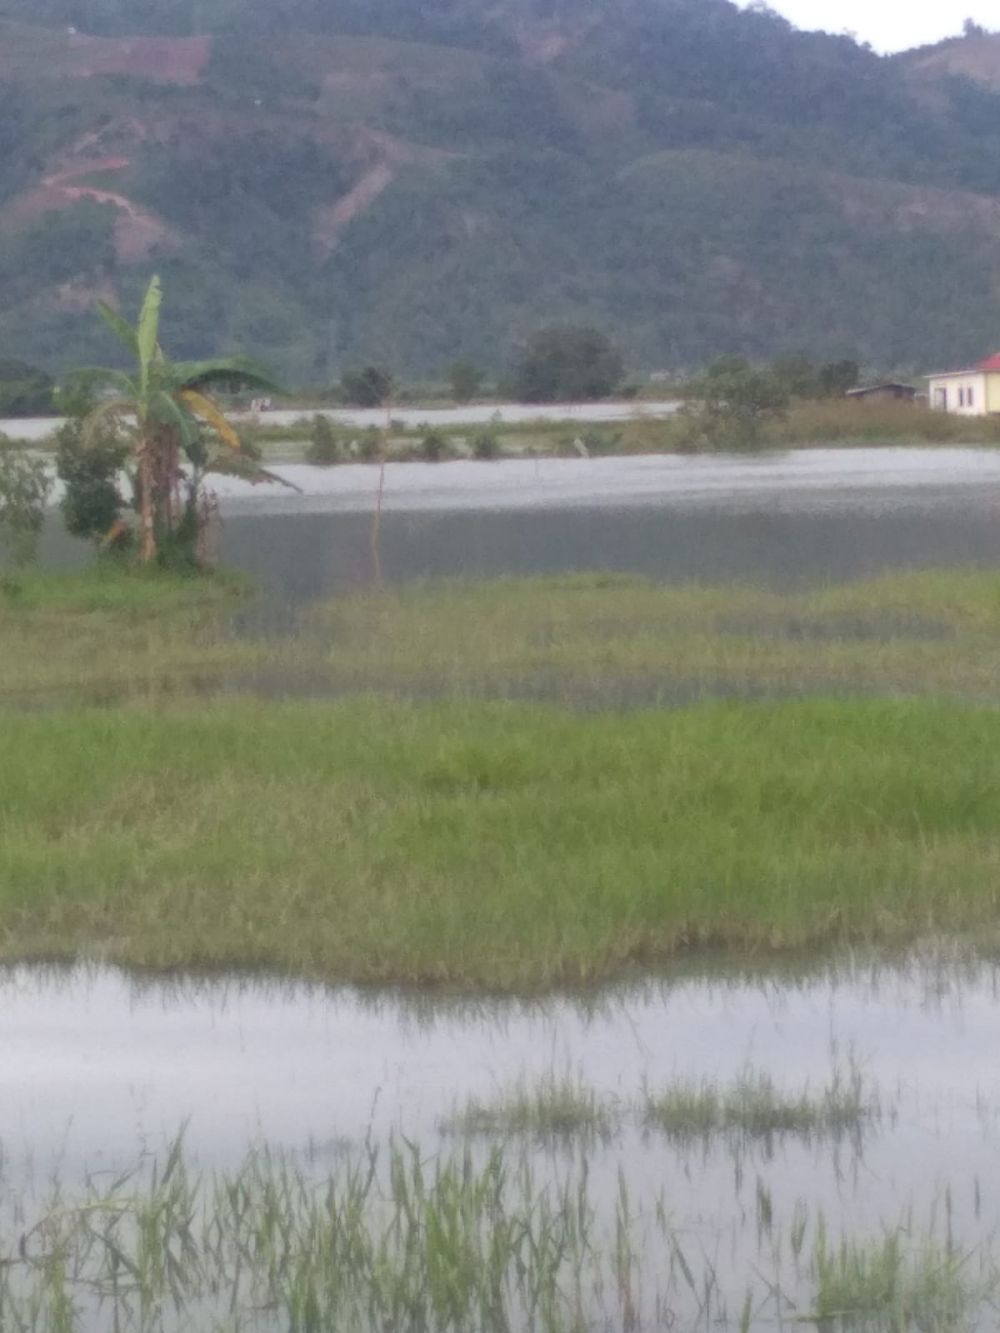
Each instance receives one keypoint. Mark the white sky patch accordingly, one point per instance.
(890, 25)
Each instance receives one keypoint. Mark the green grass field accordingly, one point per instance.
(493, 845)
(431, 824)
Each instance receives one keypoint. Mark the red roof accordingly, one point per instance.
(991, 363)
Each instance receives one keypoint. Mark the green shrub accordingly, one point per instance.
(486, 446)
(25, 486)
(433, 447)
(324, 446)
(737, 401)
(89, 468)
(369, 447)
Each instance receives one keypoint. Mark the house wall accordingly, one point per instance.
(966, 394)
(993, 393)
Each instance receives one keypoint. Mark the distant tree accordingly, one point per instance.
(371, 386)
(25, 391)
(970, 28)
(466, 381)
(797, 375)
(565, 363)
(836, 377)
(733, 403)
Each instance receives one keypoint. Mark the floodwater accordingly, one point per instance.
(98, 1069)
(814, 515)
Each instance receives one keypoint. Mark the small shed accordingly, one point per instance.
(905, 393)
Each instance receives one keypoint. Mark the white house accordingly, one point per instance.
(971, 393)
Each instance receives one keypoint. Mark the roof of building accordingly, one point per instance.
(991, 366)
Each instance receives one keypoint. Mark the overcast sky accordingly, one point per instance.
(890, 25)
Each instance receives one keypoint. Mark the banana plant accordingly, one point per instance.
(176, 428)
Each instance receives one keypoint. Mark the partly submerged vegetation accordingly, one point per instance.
(562, 1108)
(486, 1244)
(755, 1107)
(607, 640)
(422, 825)
(559, 1108)
(479, 841)
(114, 632)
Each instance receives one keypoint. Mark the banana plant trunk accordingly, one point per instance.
(148, 549)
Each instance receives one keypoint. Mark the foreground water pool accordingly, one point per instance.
(99, 1068)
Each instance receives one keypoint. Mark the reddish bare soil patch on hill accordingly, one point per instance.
(137, 231)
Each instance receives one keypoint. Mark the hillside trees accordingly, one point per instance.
(370, 386)
(465, 381)
(25, 391)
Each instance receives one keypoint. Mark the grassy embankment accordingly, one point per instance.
(807, 424)
(489, 842)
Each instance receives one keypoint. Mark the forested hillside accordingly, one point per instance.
(322, 182)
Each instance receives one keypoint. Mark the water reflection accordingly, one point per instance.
(97, 1063)
(298, 557)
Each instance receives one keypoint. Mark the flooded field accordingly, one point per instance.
(815, 515)
(101, 1073)
(700, 1147)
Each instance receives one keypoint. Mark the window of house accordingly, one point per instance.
(970, 400)
(961, 396)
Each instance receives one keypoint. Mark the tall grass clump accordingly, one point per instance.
(556, 1108)
(754, 1107)
(850, 421)
(893, 1285)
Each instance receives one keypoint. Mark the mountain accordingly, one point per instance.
(323, 182)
